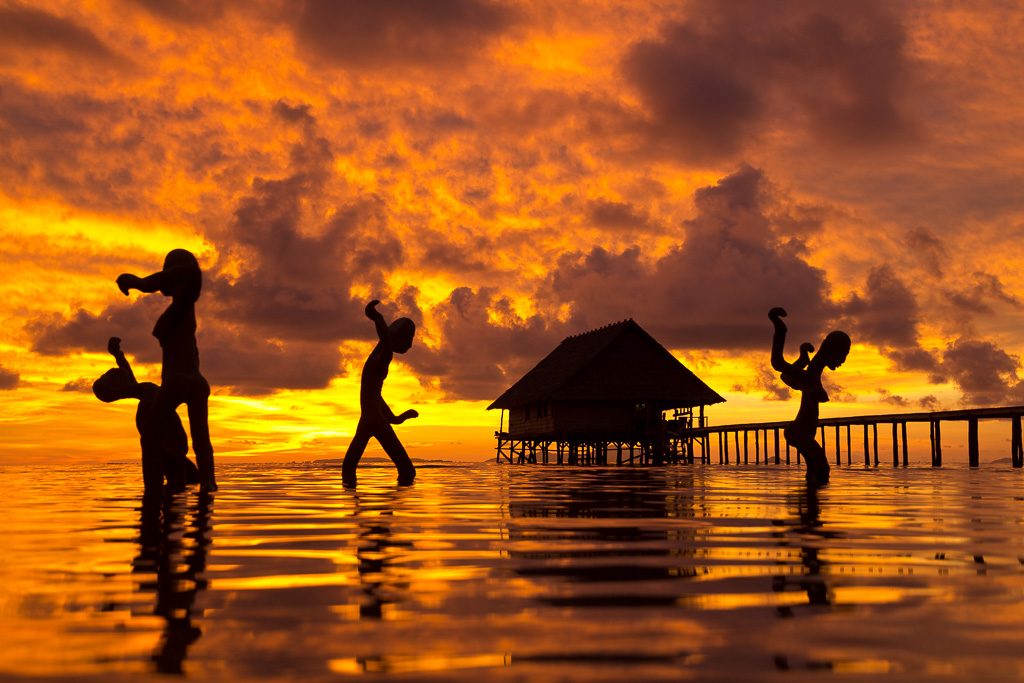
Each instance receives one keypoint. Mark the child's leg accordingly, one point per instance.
(154, 435)
(152, 469)
(396, 451)
(817, 461)
(355, 452)
(199, 426)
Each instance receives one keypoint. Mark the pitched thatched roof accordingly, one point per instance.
(612, 363)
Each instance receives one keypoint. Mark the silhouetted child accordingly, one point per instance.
(162, 456)
(376, 417)
(805, 376)
(180, 378)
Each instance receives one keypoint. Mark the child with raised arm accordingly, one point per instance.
(376, 417)
(805, 376)
(164, 455)
(180, 378)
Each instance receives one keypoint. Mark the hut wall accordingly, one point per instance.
(530, 421)
(593, 417)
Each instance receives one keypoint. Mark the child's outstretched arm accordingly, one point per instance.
(114, 347)
(378, 320)
(169, 281)
(779, 363)
(390, 417)
(806, 349)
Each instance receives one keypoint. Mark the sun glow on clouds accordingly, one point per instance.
(506, 175)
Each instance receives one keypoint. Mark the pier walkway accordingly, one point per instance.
(759, 442)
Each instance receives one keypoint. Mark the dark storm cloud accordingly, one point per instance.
(985, 373)
(374, 33)
(25, 28)
(767, 383)
(713, 291)
(254, 366)
(886, 314)
(715, 80)
(9, 379)
(55, 334)
(185, 11)
(244, 362)
(928, 249)
(293, 113)
(887, 396)
(619, 216)
(978, 296)
(94, 153)
(294, 284)
(486, 346)
(81, 385)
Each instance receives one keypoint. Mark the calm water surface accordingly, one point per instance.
(515, 573)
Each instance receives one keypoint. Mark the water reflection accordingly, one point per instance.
(620, 557)
(555, 573)
(807, 532)
(376, 550)
(173, 540)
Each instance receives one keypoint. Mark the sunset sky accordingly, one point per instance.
(506, 174)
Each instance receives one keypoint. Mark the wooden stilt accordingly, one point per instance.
(867, 459)
(1016, 442)
(874, 434)
(906, 449)
(972, 442)
(838, 457)
(895, 446)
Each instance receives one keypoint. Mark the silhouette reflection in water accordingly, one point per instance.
(169, 459)
(173, 540)
(376, 417)
(181, 382)
(376, 552)
(811, 535)
(805, 376)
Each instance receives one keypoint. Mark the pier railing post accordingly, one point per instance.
(1016, 442)
(895, 446)
(867, 458)
(776, 445)
(906, 460)
(874, 445)
(972, 442)
(839, 460)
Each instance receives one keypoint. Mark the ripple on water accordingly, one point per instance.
(525, 573)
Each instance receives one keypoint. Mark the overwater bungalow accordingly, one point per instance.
(610, 395)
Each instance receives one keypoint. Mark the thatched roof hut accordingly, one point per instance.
(616, 379)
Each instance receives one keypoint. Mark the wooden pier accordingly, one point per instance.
(761, 442)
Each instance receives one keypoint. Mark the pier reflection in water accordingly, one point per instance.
(514, 573)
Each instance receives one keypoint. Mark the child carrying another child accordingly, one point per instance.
(166, 455)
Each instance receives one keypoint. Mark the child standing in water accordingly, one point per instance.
(805, 377)
(165, 453)
(376, 416)
(181, 381)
